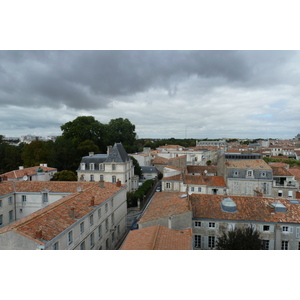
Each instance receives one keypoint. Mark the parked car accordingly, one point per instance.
(158, 189)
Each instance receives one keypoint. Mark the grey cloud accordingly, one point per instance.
(92, 79)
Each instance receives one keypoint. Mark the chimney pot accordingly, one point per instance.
(93, 201)
(101, 184)
(73, 212)
(91, 153)
(39, 234)
(118, 183)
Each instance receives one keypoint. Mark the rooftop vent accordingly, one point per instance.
(228, 205)
(183, 196)
(294, 201)
(279, 207)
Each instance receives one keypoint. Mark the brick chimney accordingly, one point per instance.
(109, 149)
(72, 212)
(92, 201)
(118, 183)
(39, 233)
(101, 184)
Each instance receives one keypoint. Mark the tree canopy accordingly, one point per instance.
(240, 239)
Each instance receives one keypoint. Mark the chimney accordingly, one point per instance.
(170, 222)
(109, 149)
(21, 167)
(118, 183)
(101, 184)
(91, 153)
(39, 233)
(93, 201)
(72, 213)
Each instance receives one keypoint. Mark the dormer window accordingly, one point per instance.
(263, 174)
(92, 166)
(113, 167)
(82, 167)
(236, 173)
(249, 173)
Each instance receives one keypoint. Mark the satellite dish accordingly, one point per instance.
(25, 178)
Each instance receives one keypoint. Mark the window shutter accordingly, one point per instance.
(290, 229)
(217, 225)
(298, 232)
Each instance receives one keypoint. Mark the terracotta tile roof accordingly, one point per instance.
(160, 160)
(174, 168)
(280, 171)
(248, 209)
(56, 217)
(279, 164)
(27, 171)
(175, 178)
(178, 157)
(170, 146)
(165, 204)
(158, 238)
(248, 164)
(7, 187)
(205, 180)
(201, 169)
(296, 172)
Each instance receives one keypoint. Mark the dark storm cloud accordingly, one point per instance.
(92, 79)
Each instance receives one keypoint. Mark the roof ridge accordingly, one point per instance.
(155, 237)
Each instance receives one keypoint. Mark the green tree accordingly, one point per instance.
(34, 154)
(240, 239)
(87, 146)
(83, 128)
(65, 175)
(137, 168)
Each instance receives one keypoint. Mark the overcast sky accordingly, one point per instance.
(193, 94)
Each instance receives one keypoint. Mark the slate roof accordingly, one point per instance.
(165, 204)
(158, 238)
(56, 217)
(147, 169)
(117, 154)
(248, 209)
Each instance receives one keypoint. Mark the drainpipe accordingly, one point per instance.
(15, 200)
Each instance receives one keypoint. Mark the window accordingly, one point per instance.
(284, 245)
(106, 225)
(92, 177)
(298, 245)
(197, 241)
(9, 200)
(236, 173)
(0, 203)
(23, 199)
(92, 167)
(106, 207)
(285, 229)
(265, 245)
(290, 194)
(212, 225)
(197, 224)
(263, 174)
(81, 227)
(211, 242)
(100, 232)
(112, 203)
(118, 230)
(70, 237)
(114, 179)
(99, 213)
(91, 220)
(266, 228)
(101, 178)
(92, 240)
(168, 185)
(107, 244)
(280, 193)
(10, 216)
(55, 246)
(45, 197)
(82, 166)
(112, 237)
(112, 219)
(82, 246)
(192, 189)
(1, 220)
(249, 173)
(199, 189)
(113, 167)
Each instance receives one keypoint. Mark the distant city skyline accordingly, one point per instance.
(180, 94)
